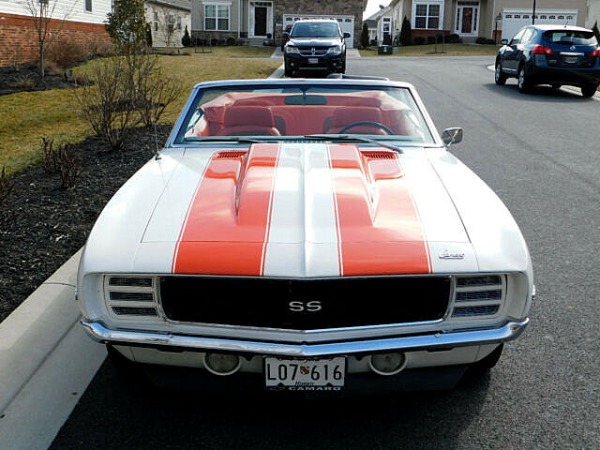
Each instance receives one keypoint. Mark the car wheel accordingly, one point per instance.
(288, 72)
(128, 372)
(523, 81)
(589, 90)
(480, 368)
(499, 77)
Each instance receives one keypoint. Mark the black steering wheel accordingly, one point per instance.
(367, 123)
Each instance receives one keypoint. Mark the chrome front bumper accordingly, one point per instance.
(432, 342)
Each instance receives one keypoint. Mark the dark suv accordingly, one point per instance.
(315, 45)
(551, 54)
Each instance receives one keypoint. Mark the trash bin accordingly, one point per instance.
(384, 50)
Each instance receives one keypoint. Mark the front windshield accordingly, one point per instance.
(315, 29)
(286, 112)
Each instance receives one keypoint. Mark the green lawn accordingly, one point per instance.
(27, 117)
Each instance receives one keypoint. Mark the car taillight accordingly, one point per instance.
(596, 53)
(542, 50)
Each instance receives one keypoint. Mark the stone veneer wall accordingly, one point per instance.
(19, 39)
(340, 7)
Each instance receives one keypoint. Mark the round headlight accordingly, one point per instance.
(387, 363)
(221, 363)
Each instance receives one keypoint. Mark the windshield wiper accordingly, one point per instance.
(354, 137)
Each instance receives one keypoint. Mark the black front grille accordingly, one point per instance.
(286, 304)
(313, 51)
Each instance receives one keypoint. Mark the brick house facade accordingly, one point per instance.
(82, 24)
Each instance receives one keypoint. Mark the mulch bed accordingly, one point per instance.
(42, 224)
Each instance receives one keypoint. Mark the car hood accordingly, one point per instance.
(314, 42)
(305, 210)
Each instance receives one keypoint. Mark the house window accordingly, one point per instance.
(216, 17)
(427, 16)
(179, 22)
(88, 5)
(155, 21)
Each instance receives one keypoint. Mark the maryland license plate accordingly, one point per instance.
(313, 60)
(305, 374)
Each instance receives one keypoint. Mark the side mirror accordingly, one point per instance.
(452, 135)
(504, 41)
(347, 35)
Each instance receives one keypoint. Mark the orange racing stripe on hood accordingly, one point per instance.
(379, 226)
(229, 215)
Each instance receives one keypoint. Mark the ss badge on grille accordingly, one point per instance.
(300, 306)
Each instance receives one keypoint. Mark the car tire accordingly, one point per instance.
(480, 368)
(523, 80)
(288, 72)
(128, 372)
(588, 90)
(499, 76)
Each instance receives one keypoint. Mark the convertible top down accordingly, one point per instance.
(306, 235)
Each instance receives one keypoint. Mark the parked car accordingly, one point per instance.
(315, 45)
(550, 54)
(305, 235)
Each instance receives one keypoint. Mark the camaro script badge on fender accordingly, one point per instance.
(451, 255)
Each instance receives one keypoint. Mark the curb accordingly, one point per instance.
(46, 362)
(36, 327)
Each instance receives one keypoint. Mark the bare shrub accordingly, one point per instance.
(122, 92)
(108, 102)
(66, 53)
(6, 185)
(61, 161)
(22, 82)
(155, 90)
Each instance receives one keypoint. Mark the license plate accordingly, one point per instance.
(305, 374)
(570, 59)
(313, 60)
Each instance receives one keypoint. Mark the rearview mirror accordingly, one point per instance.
(452, 135)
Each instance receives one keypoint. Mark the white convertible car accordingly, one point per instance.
(306, 235)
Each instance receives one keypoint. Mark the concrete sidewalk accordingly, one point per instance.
(46, 363)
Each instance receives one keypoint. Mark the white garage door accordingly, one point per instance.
(346, 23)
(514, 19)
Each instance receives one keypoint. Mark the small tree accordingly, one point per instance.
(166, 24)
(186, 40)
(405, 32)
(148, 35)
(43, 13)
(364, 36)
(127, 26)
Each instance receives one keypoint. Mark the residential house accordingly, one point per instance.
(491, 19)
(256, 22)
(80, 21)
(593, 13)
(380, 26)
(168, 20)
